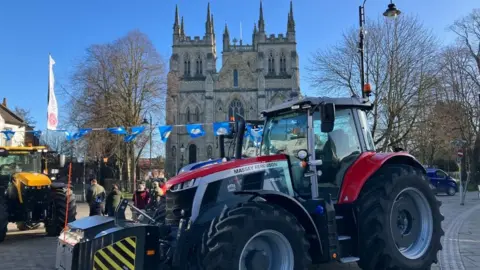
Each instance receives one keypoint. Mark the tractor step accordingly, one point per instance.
(349, 259)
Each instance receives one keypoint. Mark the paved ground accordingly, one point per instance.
(461, 244)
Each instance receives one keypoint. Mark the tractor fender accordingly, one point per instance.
(365, 166)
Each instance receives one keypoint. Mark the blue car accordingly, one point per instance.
(442, 182)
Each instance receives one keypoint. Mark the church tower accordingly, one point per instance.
(253, 77)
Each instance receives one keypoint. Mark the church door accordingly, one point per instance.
(192, 154)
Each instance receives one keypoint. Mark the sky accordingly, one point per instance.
(31, 29)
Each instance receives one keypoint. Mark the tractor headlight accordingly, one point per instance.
(182, 186)
(188, 184)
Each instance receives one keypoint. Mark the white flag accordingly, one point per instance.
(52, 110)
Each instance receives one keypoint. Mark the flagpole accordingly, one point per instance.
(48, 97)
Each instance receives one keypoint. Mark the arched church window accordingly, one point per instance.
(235, 78)
(199, 66)
(174, 151)
(271, 64)
(209, 151)
(236, 107)
(186, 66)
(283, 63)
(188, 115)
(197, 115)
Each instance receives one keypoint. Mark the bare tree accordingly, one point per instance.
(25, 115)
(115, 85)
(461, 85)
(400, 69)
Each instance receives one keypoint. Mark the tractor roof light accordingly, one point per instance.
(367, 89)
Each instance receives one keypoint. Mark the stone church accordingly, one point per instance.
(252, 78)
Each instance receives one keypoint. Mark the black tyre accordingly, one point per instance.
(399, 221)
(258, 234)
(3, 217)
(451, 191)
(54, 225)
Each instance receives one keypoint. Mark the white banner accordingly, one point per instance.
(52, 110)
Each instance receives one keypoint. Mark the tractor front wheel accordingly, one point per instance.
(399, 221)
(3, 217)
(56, 221)
(255, 235)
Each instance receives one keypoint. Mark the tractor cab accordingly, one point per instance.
(321, 137)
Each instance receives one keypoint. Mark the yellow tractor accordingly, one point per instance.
(28, 196)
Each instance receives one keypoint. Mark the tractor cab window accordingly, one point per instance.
(362, 115)
(20, 162)
(287, 134)
(337, 149)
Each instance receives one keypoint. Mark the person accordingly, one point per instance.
(157, 194)
(113, 200)
(96, 198)
(141, 198)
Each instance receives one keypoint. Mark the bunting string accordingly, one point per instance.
(196, 130)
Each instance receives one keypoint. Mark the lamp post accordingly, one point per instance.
(391, 12)
(145, 122)
(182, 150)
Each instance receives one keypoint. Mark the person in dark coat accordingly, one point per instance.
(113, 200)
(141, 198)
(96, 198)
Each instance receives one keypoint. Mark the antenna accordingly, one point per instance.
(241, 36)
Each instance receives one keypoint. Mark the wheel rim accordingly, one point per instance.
(451, 191)
(267, 249)
(411, 223)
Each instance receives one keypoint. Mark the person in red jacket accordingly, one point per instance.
(141, 198)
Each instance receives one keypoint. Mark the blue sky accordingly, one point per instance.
(32, 29)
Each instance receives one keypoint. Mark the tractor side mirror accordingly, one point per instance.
(62, 161)
(327, 112)
(3, 152)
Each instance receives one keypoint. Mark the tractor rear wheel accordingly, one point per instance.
(255, 235)
(399, 221)
(54, 225)
(3, 217)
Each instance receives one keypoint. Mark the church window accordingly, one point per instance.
(199, 67)
(235, 108)
(174, 151)
(235, 78)
(209, 151)
(188, 115)
(197, 115)
(283, 64)
(186, 66)
(271, 64)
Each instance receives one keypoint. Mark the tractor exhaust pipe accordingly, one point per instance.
(240, 126)
(221, 144)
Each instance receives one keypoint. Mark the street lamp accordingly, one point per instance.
(182, 150)
(391, 12)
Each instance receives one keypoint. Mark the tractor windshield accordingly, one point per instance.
(20, 161)
(285, 134)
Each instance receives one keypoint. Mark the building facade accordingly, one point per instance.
(252, 78)
(10, 121)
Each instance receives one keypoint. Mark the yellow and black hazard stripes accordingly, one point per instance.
(119, 255)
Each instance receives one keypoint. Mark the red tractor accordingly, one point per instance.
(317, 193)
